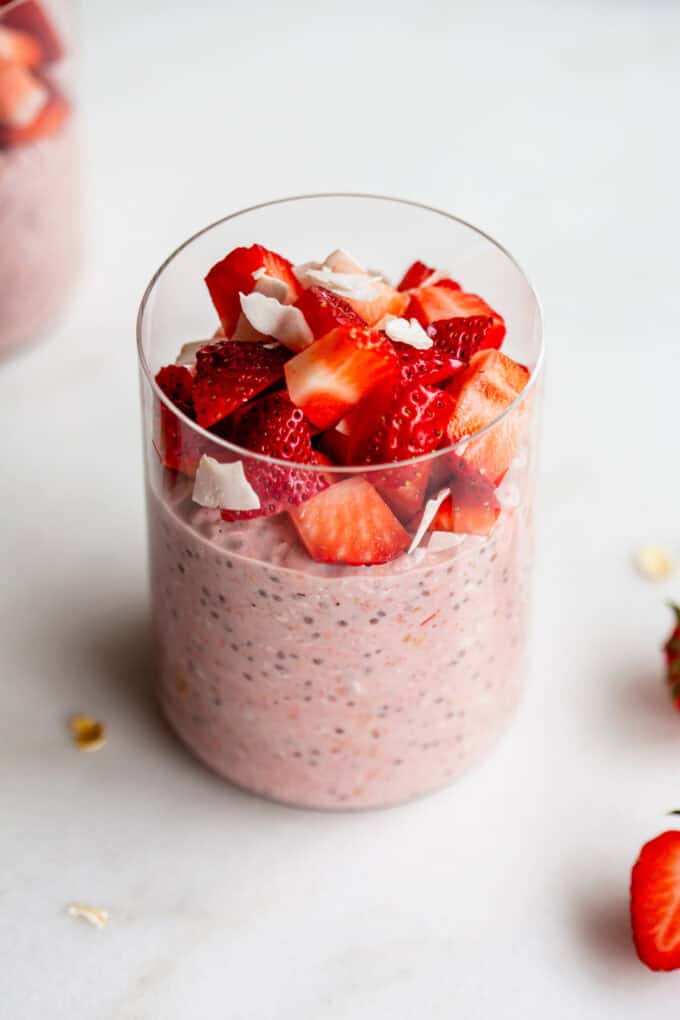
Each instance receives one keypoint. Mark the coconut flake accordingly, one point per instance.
(223, 486)
(408, 332)
(271, 286)
(429, 514)
(282, 322)
(187, 356)
(654, 563)
(355, 286)
(340, 261)
(93, 915)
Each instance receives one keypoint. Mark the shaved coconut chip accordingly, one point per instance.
(223, 486)
(429, 514)
(300, 272)
(340, 261)
(654, 563)
(93, 915)
(187, 356)
(282, 322)
(343, 427)
(271, 287)
(356, 286)
(408, 332)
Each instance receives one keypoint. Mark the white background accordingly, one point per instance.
(553, 125)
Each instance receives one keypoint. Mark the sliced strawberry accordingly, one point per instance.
(273, 426)
(335, 444)
(433, 366)
(462, 337)
(325, 310)
(229, 374)
(482, 391)
(387, 302)
(472, 507)
(177, 445)
(337, 371)
(415, 276)
(447, 283)
(31, 18)
(349, 523)
(655, 903)
(19, 47)
(430, 304)
(46, 123)
(234, 275)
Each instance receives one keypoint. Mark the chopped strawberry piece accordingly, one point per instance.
(415, 276)
(47, 122)
(447, 283)
(655, 902)
(31, 18)
(337, 371)
(436, 365)
(482, 391)
(325, 310)
(472, 508)
(22, 95)
(273, 426)
(387, 302)
(430, 304)
(399, 423)
(234, 275)
(335, 444)
(395, 424)
(462, 337)
(229, 374)
(349, 523)
(178, 446)
(19, 47)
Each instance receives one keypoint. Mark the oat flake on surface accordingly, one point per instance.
(94, 916)
(89, 734)
(654, 563)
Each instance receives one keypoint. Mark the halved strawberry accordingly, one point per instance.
(430, 304)
(337, 371)
(46, 123)
(388, 301)
(325, 310)
(229, 374)
(30, 17)
(177, 445)
(655, 902)
(482, 391)
(349, 523)
(273, 426)
(19, 47)
(234, 275)
(462, 337)
(472, 508)
(415, 276)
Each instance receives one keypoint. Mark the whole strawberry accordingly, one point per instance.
(672, 652)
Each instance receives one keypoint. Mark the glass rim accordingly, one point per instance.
(242, 451)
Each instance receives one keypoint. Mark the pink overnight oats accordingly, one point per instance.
(39, 201)
(332, 630)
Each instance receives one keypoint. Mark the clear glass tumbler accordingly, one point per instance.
(39, 187)
(336, 686)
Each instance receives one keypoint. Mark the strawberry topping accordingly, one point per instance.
(462, 337)
(325, 310)
(29, 17)
(228, 374)
(350, 523)
(337, 371)
(415, 276)
(472, 508)
(234, 275)
(178, 446)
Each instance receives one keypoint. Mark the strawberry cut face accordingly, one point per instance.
(325, 310)
(337, 371)
(472, 508)
(234, 275)
(655, 903)
(350, 523)
(229, 374)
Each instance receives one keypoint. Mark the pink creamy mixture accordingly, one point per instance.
(336, 687)
(38, 234)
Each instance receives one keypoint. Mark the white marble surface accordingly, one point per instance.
(552, 125)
